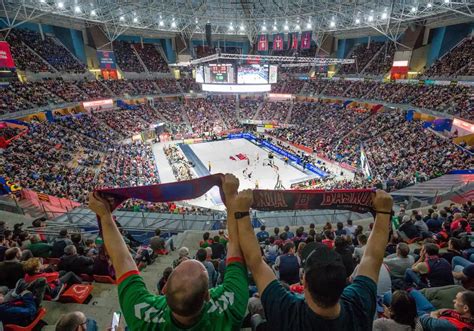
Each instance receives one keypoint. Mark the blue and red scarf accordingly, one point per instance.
(359, 201)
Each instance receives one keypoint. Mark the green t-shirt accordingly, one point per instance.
(225, 310)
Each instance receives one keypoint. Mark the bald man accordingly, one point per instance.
(75, 321)
(187, 303)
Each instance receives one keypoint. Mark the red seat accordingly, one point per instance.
(86, 277)
(104, 279)
(77, 293)
(31, 326)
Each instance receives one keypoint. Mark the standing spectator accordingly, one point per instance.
(350, 227)
(184, 306)
(328, 303)
(342, 247)
(206, 241)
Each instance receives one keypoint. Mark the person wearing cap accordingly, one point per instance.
(328, 304)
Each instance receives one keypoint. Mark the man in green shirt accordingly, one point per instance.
(38, 248)
(187, 303)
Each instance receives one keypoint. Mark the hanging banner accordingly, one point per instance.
(306, 40)
(262, 43)
(6, 59)
(106, 60)
(294, 40)
(278, 42)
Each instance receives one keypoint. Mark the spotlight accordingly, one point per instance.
(161, 23)
(308, 26)
(264, 28)
(242, 28)
(384, 16)
(286, 27)
(135, 20)
(60, 5)
(332, 24)
(298, 27)
(122, 18)
(77, 9)
(413, 9)
(446, 1)
(371, 18)
(357, 21)
(429, 5)
(173, 24)
(231, 27)
(93, 12)
(274, 28)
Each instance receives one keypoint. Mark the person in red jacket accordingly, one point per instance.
(34, 269)
(459, 222)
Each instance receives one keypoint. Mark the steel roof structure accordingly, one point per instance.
(241, 17)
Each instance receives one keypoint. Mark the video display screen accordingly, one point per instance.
(252, 74)
(219, 73)
(273, 74)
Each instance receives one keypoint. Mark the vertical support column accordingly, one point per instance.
(40, 28)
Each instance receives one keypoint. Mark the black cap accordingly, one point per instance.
(316, 255)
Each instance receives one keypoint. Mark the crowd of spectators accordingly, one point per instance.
(203, 115)
(179, 164)
(249, 107)
(362, 54)
(454, 63)
(9, 132)
(382, 63)
(152, 58)
(126, 57)
(168, 86)
(25, 59)
(292, 86)
(189, 84)
(274, 111)
(50, 50)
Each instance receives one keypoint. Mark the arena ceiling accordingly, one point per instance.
(242, 17)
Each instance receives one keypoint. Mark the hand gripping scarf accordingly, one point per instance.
(359, 201)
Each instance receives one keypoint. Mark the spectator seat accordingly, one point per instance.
(77, 293)
(31, 326)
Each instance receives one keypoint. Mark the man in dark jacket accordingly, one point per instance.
(60, 243)
(78, 264)
(11, 270)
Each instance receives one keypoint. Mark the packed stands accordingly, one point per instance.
(249, 107)
(382, 63)
(151, 57)
(126, 57)
(168, 86)
(51, 51)
(25, 59)
(189, 84)
(454, 63)
(362, 54)
(274, 111)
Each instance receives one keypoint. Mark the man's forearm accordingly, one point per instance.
(116, 247)
(250, 246)
(233, 245)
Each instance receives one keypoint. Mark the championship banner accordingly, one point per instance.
(6, 59)
(294, 40)
(106, 60)
(359, 201)
(278, 42)
(306, 39)
(262, 43)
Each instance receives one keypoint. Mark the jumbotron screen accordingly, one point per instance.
(252, 74)
(222, 73)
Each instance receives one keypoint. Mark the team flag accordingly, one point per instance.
(294, 40)
(306, 40)
(262, 43)
(278, 42)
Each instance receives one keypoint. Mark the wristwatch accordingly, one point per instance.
(241, 214)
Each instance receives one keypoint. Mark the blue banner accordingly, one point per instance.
(106, 60)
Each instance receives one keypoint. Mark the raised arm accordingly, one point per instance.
(113, 240)
(261, 272)
(230, 187)
(378, 239)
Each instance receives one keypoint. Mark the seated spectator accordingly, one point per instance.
(434, 223)
(459, 318)
(201, 256)
(430, 270)
(76, 239)
(463, 271)
(182, 306)
(206, 241)
(359, 251)
(183, 255)
(11, 270)
(271, 251)
(289, 234)
(328, 239)
(342, 247)
(78, 264)
(218, 249)
(398, 263)
(455, 247)
(38, 248)
(327, 303)
(76, 321)
(162, 282)
(102, 265)
(262, 235)
(407, 229)
(34, 270)
(59, 243)
(401, 315)
(288, 265)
